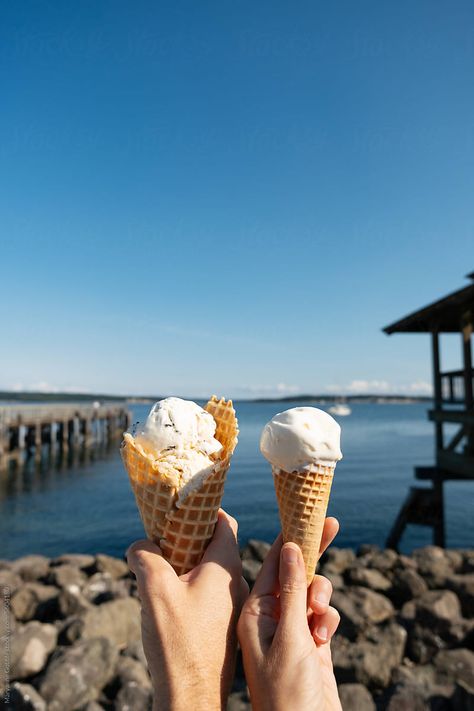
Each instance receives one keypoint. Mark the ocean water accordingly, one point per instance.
(87, 506)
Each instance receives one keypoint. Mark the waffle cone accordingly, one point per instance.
(302, 501)
(182, 528)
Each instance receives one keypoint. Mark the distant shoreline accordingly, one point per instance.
(20, 397)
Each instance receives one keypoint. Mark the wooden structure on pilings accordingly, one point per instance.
(453, 407)
(26, 429)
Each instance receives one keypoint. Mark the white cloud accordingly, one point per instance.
(381, 387)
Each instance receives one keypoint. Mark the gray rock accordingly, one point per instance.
(455, 558)
(250, 570)
(101, 587)
(31, 567)
(359, 607)
(406, 698)
(256, 549)
(463, 697)
(92, 706)
(118, 621)
(24, 697)
(355, 697)
(71, 602)
(384, 561)
(80, 560)
(34, 600)
(115, 567)
(133, 697)
(421, 681)
(433, 565)
(435, 608)
(67, 576)
(366, 548)
(30, 647)
(238, 701)
(77, 674)
(372, 660)
(407, 584)
(455, 665)
(463, 586)
(10, 581)
(369, 578)
(130, 670)
(468, 561)
(135, 651)
(337, 560)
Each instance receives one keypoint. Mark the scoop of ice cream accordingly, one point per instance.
(300, 437)
(180, 434)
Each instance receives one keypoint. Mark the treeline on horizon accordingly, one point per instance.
(28, 396)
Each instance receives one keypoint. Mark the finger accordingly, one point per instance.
(223, 549)
(330, 531)
(293, 590)
(324, 626)
(151, 570)
(267, 579)
(319, 594)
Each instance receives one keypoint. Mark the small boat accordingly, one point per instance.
(340, 410)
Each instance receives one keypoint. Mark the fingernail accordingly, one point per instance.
(322, 598)
(322, 632)
(290, 554)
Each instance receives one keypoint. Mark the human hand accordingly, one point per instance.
(189, 622)
(284, 632)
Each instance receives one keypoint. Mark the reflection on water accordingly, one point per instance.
(55, 466)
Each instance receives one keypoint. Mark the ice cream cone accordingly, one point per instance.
(302, 501)
(181, 526)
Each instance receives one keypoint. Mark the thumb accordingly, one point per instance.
(293, 590)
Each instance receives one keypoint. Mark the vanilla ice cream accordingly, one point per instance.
(179, 436)
(298, 438)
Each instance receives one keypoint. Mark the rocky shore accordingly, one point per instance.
(70, 628)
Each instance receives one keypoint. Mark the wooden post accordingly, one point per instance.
(468, 394)
(437, 390)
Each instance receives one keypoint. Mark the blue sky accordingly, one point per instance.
(230, 197)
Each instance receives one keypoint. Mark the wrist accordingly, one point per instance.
(190, 691)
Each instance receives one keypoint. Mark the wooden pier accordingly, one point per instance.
(453, 410)
(26, 430)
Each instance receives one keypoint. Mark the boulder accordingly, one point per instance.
(406, 698)
(355, 697)
(433, 565)
(238, 701)
(93, 706)
(366, 548)
(71, 602)
(130, 670)
(257, 550)
(369, 578)
(455, 666)
(434, 609)
(250, 570)
(31, 567)
(115, 567)
(133, 697)
(30, 647)
(66, 576)
(24, 697)
(79, 560)
(384, 561)
(135, 651)
(463, 586)
(102, 587)
(468, 561)
(407, 584)
(359, 607)
(77, 674)
(34, 601)
(118, 621)
(370, 661)
(455, 559)
(336, 580)
(9, 581)
(337, 560)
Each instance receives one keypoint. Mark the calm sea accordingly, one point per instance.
(88, 506)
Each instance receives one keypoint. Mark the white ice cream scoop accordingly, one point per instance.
(298, 438)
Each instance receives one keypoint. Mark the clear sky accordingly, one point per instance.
(230, 197)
